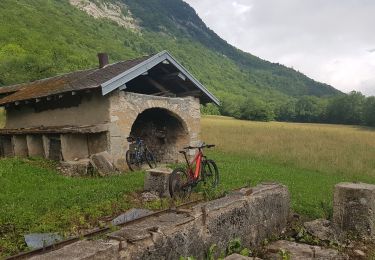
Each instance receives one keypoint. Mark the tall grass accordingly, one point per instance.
(332, 149)
(309, 158)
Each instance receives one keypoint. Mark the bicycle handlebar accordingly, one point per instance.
(199, 147)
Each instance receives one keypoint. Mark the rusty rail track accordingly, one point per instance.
(100, 231)
(95, 232)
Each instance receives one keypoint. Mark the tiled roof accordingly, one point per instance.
(74, 81)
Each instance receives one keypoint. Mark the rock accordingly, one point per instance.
(149, 196)
(130, 215)
(298, 251)
(240, 257)
(359, 253)
(321, 229)
(40, 240)
(76, 168)
(354, 209)
(102, 163)
(157, 181)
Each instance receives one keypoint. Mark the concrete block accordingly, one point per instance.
(354, 209)
(301, 251)
(20, 146)
(84, 250)
(157, 181)
(74, 146)
(77, 168)
(46, 144)
(102, 163)
(35, 145)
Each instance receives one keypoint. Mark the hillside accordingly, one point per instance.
(41, 38)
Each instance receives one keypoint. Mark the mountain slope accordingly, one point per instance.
(41, 38)
(179, 19)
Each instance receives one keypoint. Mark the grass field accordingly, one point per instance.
(309, 158)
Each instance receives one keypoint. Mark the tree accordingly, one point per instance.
(369, 111)
(310, 109)
(287, 111)
(347, 109)
(254, 109)
(210, 109)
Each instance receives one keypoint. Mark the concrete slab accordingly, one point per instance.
(20, 146)
(157, 181)
(354, 209)
(283, 249)
(35, 145)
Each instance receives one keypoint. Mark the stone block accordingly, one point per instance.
(102, 163)
(321, 229)
(20, 146)
(291, 250)
(157, 181)
(35, 145)
(84, 250)
(354, 209)
(76, 168)
(74, 146)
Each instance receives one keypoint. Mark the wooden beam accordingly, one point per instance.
(157, 85)
(193, 93)
(174, 75)
(162, 93)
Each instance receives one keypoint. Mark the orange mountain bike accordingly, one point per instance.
(183, 180)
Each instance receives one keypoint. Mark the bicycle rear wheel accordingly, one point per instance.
(179, 184)
(210, 173)
(150, 159)
(132, 161)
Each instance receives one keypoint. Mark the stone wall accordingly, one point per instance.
(251, 215)
(119, 110)
(125, 107)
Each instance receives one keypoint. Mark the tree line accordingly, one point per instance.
(350, 109)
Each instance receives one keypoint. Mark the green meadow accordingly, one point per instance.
(309, 158)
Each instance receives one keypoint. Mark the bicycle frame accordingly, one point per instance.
(197, 161)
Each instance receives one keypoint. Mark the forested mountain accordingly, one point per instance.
(41, 38)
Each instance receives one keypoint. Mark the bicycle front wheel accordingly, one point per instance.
(210, 173)
(150, 159)
(179, 184)
(132, 161)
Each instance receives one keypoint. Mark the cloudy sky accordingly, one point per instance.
(332, 41)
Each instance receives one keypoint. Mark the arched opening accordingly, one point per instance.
(163, 132)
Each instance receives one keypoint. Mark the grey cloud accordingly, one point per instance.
(331, 41)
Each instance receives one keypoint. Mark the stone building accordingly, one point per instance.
(75, 115)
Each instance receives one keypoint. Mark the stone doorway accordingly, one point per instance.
(164, 133)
